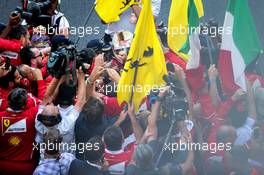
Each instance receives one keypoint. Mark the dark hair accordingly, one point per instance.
(97, 152)
(17, 32)
(66, 94)
(9, 77)
(237, 118)
(88, 55)
(17, 98)
(216, 168)
(26, 55)
(93, 110)
(52, 138)
(113, 138)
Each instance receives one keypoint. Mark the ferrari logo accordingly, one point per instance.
(6, 122)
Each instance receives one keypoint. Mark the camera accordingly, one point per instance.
(174, 103)
(174, 107)
(35, 13)
(62, 57)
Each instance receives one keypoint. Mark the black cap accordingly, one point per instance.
(59, 40)
(96, 45)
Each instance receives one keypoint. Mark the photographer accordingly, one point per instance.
(64, 115)
(146, 153)
(13, 21)
(58, 20)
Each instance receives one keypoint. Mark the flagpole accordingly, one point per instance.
(86, 21)
(134, 81)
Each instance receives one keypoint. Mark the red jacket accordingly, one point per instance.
(215, 115)
(17, 138)
(32, 101)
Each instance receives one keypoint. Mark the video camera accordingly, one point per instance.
(63, 57)
(174, 104)
(34, 12)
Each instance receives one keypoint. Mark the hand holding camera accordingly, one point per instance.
(14, 19)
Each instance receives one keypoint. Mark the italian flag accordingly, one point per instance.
(183, 28)
(240, 46)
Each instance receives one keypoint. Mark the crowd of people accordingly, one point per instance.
(52, 124)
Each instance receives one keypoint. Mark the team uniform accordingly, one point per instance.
(119, 160)
(17, 136)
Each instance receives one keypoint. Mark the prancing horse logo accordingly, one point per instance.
(125, 3)
(6, 122)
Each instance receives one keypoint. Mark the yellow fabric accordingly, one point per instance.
(199, 7)
(178, 33)
(109, 10)
(147, 50)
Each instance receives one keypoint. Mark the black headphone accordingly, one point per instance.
(53, 119)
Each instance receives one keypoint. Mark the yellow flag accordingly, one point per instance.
(146, 54)
(109, 10)
(181, 19)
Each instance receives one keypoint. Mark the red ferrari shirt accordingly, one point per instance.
(17, 134)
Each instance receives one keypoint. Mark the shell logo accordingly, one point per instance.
(14, 140)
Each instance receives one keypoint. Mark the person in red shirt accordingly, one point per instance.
(18, 38)
(17, 135)
(119, 151)
(10, 78)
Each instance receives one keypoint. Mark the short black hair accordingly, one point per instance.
(26, 55)
(17, 98)
(113, 138)
(97, 152)
(93, 110)
(66, 94)
(17, 32)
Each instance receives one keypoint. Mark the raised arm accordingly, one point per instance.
(213, 73)
(81, 93)
(135, 125)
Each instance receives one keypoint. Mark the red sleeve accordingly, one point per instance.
(41, 89)
(10, 45)
(111, 107)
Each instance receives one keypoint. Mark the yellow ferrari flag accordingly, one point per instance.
(184, 17)
(109, 10)
(145, 66)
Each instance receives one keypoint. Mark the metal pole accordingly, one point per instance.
(86, 21)
(166, 140)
